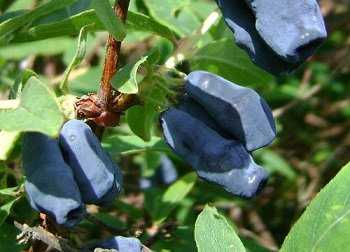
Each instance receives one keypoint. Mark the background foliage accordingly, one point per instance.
(163, 39)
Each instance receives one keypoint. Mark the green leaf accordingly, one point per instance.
(110, 221)
(77, 59)
(7, 143)
(227, 60)
(132, 144)
(141, 22)
(5, 210)
(47, 47)
(17, 22)
(8, 238)
(171, 197)
(66, 27)
(73, 24)
(174, 14)
(129, 209)
(213, 233)
(21, 80)
(75, 8)
(140, 120)
(11, 191)
(325, 224)
(110, 21)
(125, 81)
(37, 110)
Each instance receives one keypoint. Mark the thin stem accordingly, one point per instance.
(112, 58)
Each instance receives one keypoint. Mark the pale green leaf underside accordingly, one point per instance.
(125, 81)
(7, 143)
(325, 224)
(38, 111)
(214, 234)
(77, 59)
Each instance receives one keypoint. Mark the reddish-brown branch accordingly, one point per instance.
(112, 58)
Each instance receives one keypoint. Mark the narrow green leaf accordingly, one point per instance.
(38, 110)
(17, 22)
(77, 59)
(172, 196)
(5, 211)
(325, 224)
(141, 22)
(7, 143)
(47, 47)
(110, 21)
(133, 144)
(125, 81)
(226, 59)
(214, 234)
(110, 221)
(11, 191)
(73, 24)
(66, 27)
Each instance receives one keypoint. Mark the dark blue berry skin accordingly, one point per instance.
(98, 178)
(214, 158)
(50, 183)
(239, 111)
(292, 28)
(193, 108)
(277, 35)
(120, 243)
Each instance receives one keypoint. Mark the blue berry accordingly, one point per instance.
(50, 185)
(292, 28)
(121, 244)
(278, 35)
(98, 178)
(238, 110)
(214, 158)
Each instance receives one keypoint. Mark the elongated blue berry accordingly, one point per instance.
(50, 184)
(240, 111)
(98, 178)
(292, 28)
(214, 158)
(277, 35)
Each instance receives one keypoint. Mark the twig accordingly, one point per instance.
(32, 234)
(313, 91)
(97, 222)
(112, 57)
(259, 226)
(105, 108)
